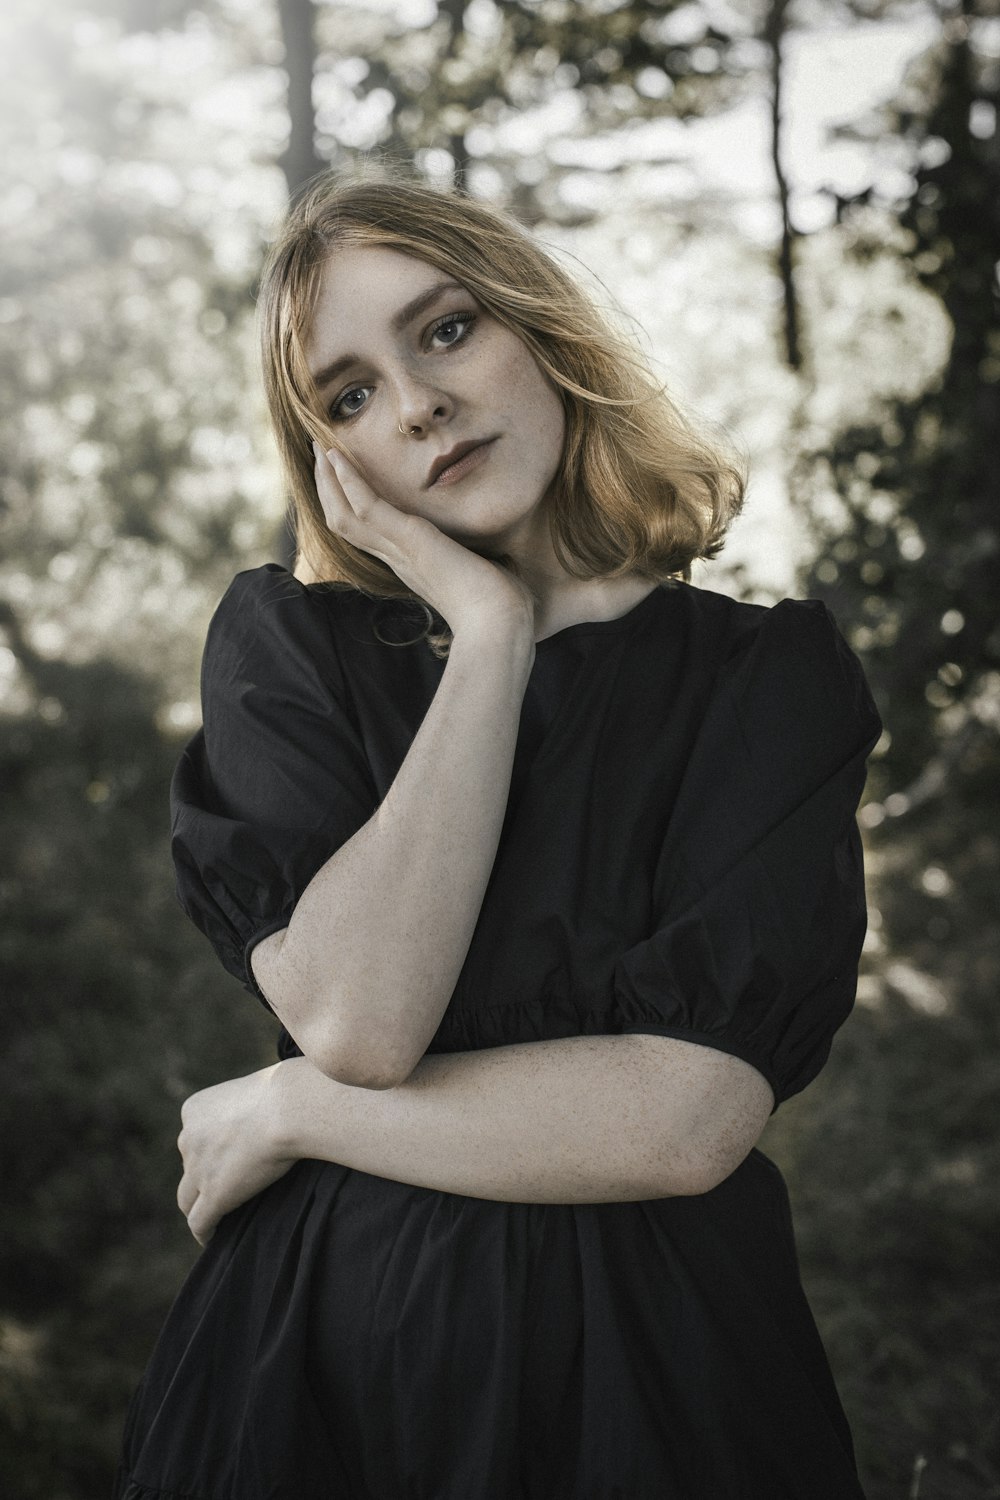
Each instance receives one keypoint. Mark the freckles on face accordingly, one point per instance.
(395, 343)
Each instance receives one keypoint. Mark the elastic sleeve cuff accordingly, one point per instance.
(277, 925)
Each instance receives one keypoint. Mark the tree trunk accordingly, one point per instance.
(774, 31)
(299, 162)
(454, 10)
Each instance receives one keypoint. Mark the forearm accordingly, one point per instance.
(368, 963)
(579, 1120)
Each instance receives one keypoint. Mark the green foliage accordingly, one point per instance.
(895, 1163)
(487, 91)
(133, 463)
(132, 481)
(115, 1011)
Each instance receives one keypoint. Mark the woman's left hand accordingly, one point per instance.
(229, 1144)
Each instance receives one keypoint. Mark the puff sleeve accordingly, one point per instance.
(277, 779)
(760, 901)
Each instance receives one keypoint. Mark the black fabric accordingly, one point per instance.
(680, 857)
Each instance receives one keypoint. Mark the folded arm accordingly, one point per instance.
(588, 1119)
(364, 971)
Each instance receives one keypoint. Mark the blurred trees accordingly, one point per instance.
(905, 506)
(149, 145)
(132, 483)
(477, 91)
(112, 1016)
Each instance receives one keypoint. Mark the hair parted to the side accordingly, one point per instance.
(642, 489)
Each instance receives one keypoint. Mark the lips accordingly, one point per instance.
(453, 456)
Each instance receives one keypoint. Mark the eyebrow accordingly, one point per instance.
(400, 320)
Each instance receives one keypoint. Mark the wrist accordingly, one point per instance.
(285, 1116)
(508, 640)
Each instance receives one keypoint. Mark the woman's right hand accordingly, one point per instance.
(466, 590)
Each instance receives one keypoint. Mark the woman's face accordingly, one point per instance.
(396, 344)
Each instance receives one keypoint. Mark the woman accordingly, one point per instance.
(556, 898)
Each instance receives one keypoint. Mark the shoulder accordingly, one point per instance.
(798, 646)
(270, 599)
(790, 629)
(788, 662)
(267, 615)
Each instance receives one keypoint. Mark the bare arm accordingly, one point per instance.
(585, 1119)
(580, 1120)
(365, 969)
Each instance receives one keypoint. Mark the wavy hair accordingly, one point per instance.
(641, 488)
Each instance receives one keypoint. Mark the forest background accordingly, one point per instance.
(798, 201)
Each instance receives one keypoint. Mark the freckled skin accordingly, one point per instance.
(485, 384)
(595, 1119)
(452, 375)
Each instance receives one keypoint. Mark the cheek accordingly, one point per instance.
(548, 423)
(555, 421)
(529, 396)
(369, 447)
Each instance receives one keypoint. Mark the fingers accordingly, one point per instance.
(187, 1195)
(342, 481)
(187, 1202)
(202, 1222)
(191, 1202)
(352, 509)
(342, 492)
(360, 495)
(195, 1207)
(331, 496)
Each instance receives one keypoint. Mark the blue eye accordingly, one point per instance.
(462, 322)
(446, 333)
(342, 407)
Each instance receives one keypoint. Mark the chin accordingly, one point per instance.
(482, 546)
(503, 525)
(478, 539)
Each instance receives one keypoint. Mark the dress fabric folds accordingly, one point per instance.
(679, 857)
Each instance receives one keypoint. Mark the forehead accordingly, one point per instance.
(361, 289)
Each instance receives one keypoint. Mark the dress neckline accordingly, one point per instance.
(613, 626)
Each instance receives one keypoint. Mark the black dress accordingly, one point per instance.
(679, 856)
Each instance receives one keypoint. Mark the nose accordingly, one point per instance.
(422, 407)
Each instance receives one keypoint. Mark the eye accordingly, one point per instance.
(453, 329)
(344, 406)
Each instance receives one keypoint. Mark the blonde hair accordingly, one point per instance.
(640, 489)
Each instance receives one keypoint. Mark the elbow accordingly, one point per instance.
(319, 1020)
(701, 1177)
(363, 1076)
(692, 1166)
(707, 1164)
(355, 1065)
(717, 1127)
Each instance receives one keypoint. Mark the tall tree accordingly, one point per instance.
(451, 82)
(774, 33)
(299, 160)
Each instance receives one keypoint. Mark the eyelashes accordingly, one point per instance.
(456, 320)
(341, 409)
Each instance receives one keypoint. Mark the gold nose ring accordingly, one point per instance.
(403, 430)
